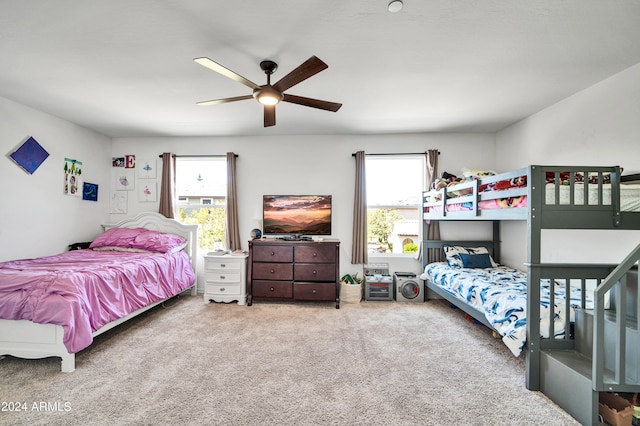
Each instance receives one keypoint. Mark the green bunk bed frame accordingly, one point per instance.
(572, 371)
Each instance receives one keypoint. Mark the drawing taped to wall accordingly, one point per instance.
(73, 177)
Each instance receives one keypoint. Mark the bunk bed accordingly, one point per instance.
(563, 360)
(55, 305)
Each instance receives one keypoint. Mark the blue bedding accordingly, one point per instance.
(501, 293)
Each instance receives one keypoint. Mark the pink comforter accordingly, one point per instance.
(82, 290)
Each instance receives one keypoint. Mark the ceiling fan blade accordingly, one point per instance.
(224, 101)
(269, 115)
(308, 68)
(206, 62)
(313, 103)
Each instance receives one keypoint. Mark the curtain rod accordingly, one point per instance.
(394, 153)
(199, 156)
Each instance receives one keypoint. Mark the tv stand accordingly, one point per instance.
(294, 270)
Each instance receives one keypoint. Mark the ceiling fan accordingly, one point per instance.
(270, 95)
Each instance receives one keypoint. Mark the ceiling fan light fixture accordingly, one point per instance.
(268, 96)
(395, 6)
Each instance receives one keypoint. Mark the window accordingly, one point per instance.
(394, 200)
(201, 189)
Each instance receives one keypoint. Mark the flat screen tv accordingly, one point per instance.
(296, 215)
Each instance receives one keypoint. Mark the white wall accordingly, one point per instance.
(308, 165)
(599, 126)
(36, 218)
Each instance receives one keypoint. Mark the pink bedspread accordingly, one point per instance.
(82, 290)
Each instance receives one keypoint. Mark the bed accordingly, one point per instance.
(588, 343)
(496, 295)
(55, 305)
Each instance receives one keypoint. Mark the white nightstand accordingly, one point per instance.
(225, 278)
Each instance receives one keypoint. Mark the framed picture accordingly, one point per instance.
(119, 202)
(30, 155)
(147, 192)
(90, 191)
(124, 179)
(147, 169)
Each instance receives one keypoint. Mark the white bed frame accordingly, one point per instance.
(25, 339)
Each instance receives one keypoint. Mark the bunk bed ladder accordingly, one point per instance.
(603, 355)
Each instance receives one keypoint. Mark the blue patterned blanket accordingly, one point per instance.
(501, 293)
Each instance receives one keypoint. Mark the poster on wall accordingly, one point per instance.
(29, 155)
(147, 169)
(73, 177)
(147, 192)
(119, 202)
(123, 179)
(90, 191)
(128, 161)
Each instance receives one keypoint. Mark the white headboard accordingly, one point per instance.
(157, 222)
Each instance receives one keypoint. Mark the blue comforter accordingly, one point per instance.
(501, 293)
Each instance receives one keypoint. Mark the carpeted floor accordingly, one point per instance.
(374, 363)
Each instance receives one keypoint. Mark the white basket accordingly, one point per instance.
(350, 293)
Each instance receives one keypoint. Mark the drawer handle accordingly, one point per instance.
(272, 271)
(315, 272)
(272, 289)
(315, 254)
(222, 289)
(222, 277)
(273, 253)
(223, 265)
(314, 291)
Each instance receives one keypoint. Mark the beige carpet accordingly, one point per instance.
(376, 363)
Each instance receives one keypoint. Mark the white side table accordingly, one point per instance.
(225, 278)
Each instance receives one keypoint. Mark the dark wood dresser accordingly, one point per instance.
(294, 270)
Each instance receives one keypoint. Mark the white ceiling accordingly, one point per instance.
(125, 67)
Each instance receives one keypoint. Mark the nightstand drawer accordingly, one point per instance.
(222, 289)
(222, 265)
(223, 277)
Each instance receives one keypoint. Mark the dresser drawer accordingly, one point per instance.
(314, 291)
(315, 254)
(314, 272)
(221, 265)
(223, 277)
(272, 271)
(272, 253)
(275, 289)
(215, 289)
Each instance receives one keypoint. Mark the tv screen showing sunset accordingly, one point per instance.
(297, 214)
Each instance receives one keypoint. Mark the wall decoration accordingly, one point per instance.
(147, 192)
(124, 179)
(30, 155)
(119, 201)
(90, 191)
(147, 169)
(72, 177)
(128, 161)
(117, 161)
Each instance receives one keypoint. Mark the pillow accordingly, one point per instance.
(482, 260)
(453, 255)
(140, 239)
